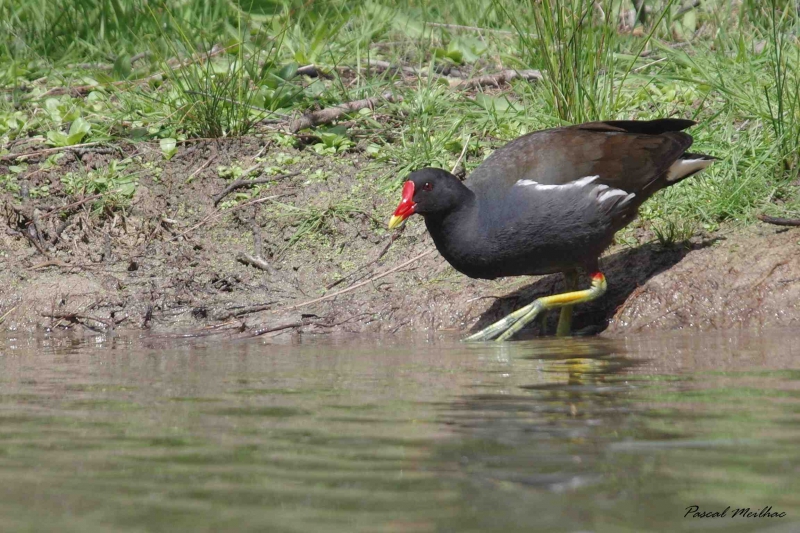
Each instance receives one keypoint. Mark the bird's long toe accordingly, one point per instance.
(501, 326)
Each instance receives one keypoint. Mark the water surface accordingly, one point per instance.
(362, 434)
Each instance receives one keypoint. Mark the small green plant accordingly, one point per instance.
(79, 129)
(233, 172)
(314, 220)
(13, 124)
(115, 185)
(671, 231)
(462, 50)
(9, 183)
(169, 147)
(333, 140)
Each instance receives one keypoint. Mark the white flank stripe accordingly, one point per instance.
(605, 195)
(584, 181)
(683, 167)
(577, 183)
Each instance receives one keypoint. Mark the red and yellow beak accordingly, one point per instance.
(406, 207)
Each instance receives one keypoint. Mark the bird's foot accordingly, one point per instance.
(505, 324)
(507, 327)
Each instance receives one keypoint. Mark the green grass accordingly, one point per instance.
(197, 68)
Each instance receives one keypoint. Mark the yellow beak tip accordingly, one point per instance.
(395, 221)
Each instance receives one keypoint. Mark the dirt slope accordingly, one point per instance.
(168, 261)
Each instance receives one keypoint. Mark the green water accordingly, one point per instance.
(363, 434)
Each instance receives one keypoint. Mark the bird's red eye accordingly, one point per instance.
(427, 187)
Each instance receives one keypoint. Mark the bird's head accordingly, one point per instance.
(428, 191)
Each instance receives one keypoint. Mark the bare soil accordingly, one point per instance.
(168, 260)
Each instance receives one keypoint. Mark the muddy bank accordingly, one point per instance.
(168, 259)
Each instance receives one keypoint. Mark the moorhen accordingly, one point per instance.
(550, 201)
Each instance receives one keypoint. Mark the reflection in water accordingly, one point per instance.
(356, 434)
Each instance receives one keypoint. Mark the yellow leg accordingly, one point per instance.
(565, 319)
(507, 327)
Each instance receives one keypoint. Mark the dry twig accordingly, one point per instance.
(77, 317)
(218, 214)
(5, 315)
(47, 151)
(241, 184)
(357, 285)
(779, 221)
(234, 312)
(682, 11)
(312, 71)
(291, 323)
(324, 116)
(201, 167)
(471, 28)
(385, 65)
(497, 80)
(56, 210)
(394, 237)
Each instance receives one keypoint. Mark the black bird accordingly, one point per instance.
(550, 201)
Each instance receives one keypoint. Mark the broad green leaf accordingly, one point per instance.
(169, 147)
(71, 115)
(122, 66)
(288, 72)
(127, 189)
(80, 125)
(57, 138)
(75, 138)
(77, 131)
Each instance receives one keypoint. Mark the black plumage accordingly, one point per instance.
(552, 200)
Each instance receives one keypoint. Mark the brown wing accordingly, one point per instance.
(628, 155)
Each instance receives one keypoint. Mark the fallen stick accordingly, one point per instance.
(51, 263)
(5, 315)
(682, 11)
(473, 28)
(324, 116)
(241, 184)
(91, 66)
(312, 71)
(383, 252)
(47, 151)
(497, 80)
(75, 317)
(356, 286)
(254, 261)
(56, 210)
(200, 168)
(218, 214)
(139, 56)
(385, 65)
(237, 312)
(293, 323)
(780, 221)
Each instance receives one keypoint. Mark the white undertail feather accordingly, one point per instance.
(684, 167)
